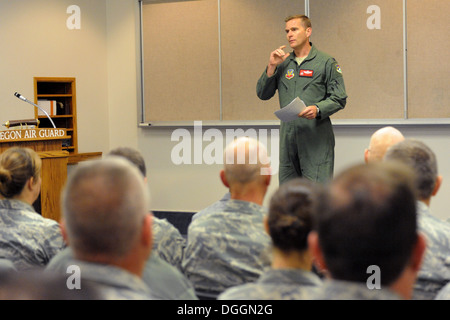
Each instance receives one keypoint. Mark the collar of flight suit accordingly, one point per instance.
(311, 55)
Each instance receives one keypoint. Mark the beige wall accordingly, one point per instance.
(101, 56)
(104, 57)
(35, 41)
(192, 187)
(123, 71)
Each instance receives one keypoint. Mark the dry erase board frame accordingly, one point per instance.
(228, 85)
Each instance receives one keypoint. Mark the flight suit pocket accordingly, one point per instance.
(284, 86)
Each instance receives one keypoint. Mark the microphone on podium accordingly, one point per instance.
(21, 97)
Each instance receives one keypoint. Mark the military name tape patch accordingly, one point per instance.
(306, 73)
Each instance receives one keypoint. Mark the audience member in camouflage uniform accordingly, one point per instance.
(351, 290)
(444, 293)
(26, 238)
(36, 284)
(164, 280)
(113, 282)
(170, 284)
(216, 206)
(229, 247)
(168, 243)
(107, 224)
(435, 270)
(288, 224)
(365, 234)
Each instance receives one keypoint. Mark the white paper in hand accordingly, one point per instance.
(291, 111)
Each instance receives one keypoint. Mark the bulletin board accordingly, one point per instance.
(202, 59)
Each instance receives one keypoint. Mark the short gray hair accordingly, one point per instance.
(245, 160)
(421, 159)
(104, 206)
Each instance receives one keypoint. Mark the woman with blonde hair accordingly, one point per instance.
(26, 238)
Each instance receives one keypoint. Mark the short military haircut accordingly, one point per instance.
(367, 216)
(305, 21)
(245, 160)
(132, 155)
(421, 159)
(104, 206)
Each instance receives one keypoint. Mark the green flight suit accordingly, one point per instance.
(307, 146)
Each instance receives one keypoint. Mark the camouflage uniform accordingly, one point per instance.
(26, 238)
(6, 265)
(227, 246)
(277, 284)
(217, 206)
(444, 294)
(435, 270)
(168, 243)
(112, 282)
(164, 280)
(346, 290)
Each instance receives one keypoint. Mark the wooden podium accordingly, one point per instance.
(47, 142)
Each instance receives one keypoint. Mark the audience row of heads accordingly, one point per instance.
(116, 191)
(20, 166)
(101, 197)
(365, 217)
(371, 205)
(246, 160)
(389, 144)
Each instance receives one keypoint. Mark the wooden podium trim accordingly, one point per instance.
(53, 154)
(78, 157)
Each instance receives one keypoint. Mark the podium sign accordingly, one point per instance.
(32, 134)
(47, 142)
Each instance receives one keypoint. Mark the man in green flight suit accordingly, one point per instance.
(307, 143)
